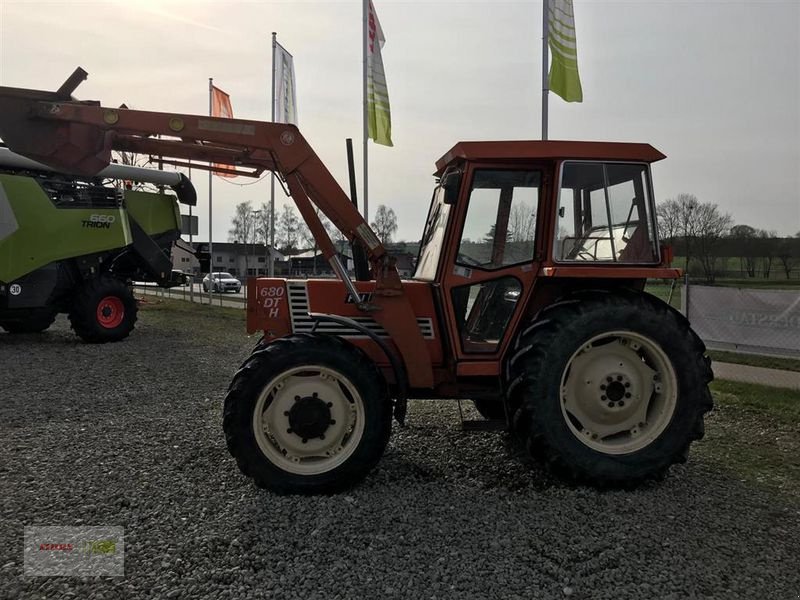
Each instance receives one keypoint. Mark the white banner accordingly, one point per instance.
(749, 320)
(285, 99)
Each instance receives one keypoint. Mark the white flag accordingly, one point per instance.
(285, 100)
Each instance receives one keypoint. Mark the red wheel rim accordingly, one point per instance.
(110, 312)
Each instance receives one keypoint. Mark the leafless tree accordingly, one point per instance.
(262, 223)
(262, 219)
(521, 222)
(385, 223)
(243, 228)
(768, 251)
(709, 225)
(287, 230)
(243, 224)
(669, 218)
(676, 219)
(746, 246)
(132, 160)
(786, 257)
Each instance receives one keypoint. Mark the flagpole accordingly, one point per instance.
(210, 222)
(545, 60)
(365, 124)
(191, 242)
(272, 177)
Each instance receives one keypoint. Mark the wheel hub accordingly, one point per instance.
(618, 392)
(309, 417)
(615, 390)
(110, 312)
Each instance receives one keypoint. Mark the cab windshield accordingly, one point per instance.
(432, 238)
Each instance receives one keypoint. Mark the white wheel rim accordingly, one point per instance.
(283, 446)
(618, 392)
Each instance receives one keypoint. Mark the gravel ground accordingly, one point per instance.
(129, 434)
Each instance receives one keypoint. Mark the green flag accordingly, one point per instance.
(564, 79)
(379, 117)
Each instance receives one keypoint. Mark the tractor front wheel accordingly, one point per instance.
(611, 389)
(307, 414)
(103, 310)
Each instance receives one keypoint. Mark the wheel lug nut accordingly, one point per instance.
(627, 394)
(289, 430)
(627, 384)
(619, 377)
(286, 413)
(332, 422)
(314, 395)
(297, 398)
(330, 404)
(603, 386)
(602, 397)
(322, 436)
(622, 403)
(609, 379)
(610, 405)
(305, 440)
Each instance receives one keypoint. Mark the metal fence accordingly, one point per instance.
(752, 331)
(193, 292)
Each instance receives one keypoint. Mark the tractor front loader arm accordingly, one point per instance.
(78, 137)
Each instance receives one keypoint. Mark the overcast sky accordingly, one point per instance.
(713, 85)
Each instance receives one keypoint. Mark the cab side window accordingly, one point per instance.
(499, 229)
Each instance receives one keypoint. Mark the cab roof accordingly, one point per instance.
(512, 151)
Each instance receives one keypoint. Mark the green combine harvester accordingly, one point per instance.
(74, 245)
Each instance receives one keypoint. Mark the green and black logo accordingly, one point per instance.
(99, 221)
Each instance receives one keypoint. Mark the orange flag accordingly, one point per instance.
(221, 107)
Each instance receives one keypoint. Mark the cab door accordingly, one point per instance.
(492, 261)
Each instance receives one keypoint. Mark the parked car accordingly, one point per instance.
(223, 282)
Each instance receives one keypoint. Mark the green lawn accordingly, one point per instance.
(662, 291)
(752, 433)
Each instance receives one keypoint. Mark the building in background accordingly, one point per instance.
(240, 260)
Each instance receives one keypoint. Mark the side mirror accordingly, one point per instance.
(451, 182)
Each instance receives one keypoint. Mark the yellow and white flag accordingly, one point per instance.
(378, 114)
(564, 79)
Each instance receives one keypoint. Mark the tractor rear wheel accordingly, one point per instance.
(307, 413)
(36, 322)
(610, 388)
(103, 310)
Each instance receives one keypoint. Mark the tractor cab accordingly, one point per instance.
(505, 214)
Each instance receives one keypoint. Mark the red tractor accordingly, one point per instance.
(528, 298)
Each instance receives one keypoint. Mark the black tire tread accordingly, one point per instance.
(530, 358)
(491, 410)
(83, 312)
(247, 384)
